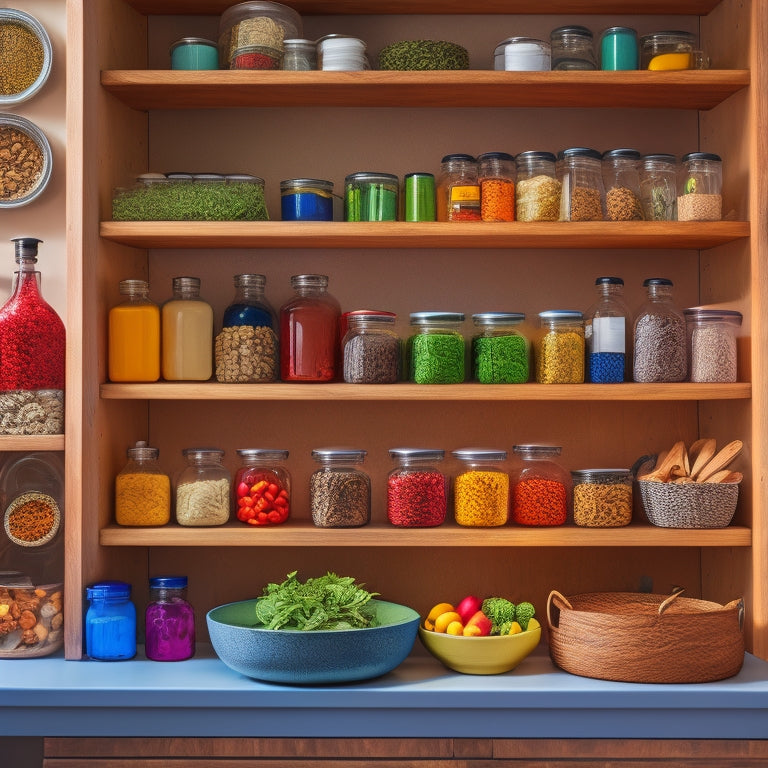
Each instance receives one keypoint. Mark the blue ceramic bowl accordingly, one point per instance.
(316, 657)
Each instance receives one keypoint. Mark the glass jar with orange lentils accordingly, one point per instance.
(496, 174)
(541, 486)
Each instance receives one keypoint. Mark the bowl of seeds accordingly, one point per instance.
(32, 519)
(25, 161)
(26, 55)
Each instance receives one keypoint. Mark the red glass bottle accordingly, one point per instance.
(32, 353)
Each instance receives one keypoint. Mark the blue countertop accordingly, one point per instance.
(202, 697)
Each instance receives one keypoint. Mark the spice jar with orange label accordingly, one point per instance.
(458, 189)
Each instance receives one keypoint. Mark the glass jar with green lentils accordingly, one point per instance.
(481, 487)
(560, 347)
(500, 350)
(436, 348)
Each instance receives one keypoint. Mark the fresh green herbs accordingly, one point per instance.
(325, 602)
(423, 55)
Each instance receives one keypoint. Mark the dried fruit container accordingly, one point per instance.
(26, 161)
(31, 617)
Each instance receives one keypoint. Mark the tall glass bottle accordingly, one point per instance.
(32, 353)
(134, 335)
(187, 332)
(606, 326)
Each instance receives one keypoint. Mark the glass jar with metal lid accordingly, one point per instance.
(299, 55)
(541, 486)
(522, 54)
(436, 348)
(203, 488)
(194, 53)
(500, 350)
(458, 189)
(607, 333)
(658, 187)
(371, 197)
(371, 348)
(481, 487)
(537, 196)
(619, 49)
(262, 486)
(602, 498)
(169, 620)
(699, 189)
(621, 179)
(559, 347)
(417, 491)
(110, 622)
(142, 489)
(340, 492)
(579, 170)
(712, 344)
(496, 174)
(573, 48)
(668, 50)
(306, 200)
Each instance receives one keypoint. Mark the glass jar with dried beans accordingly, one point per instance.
(142, 489)
(579, 170)
(340, 492)
(417, 491)
(699, 190)
(559, 347)
(658, 187)
(541, 486)
(203, 489)
(712, 344)
(481, 487)
(621, 178)
(537, 195)
(371, 348)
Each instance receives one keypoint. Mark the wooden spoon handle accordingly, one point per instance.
(704, 454)
(721, 460)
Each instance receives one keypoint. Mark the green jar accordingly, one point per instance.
(436, 348)
(370, 197)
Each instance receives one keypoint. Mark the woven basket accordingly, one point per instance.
(689, 505)
(644, 638)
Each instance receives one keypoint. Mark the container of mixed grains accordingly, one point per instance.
(31, 617)
(26, 56)
(26, 161)
(602, 498)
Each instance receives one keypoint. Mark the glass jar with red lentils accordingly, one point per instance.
(262, 486)
(496, 173)
(417, 491)
(458, 189)
(541, 486)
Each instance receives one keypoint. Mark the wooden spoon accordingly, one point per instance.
(721, 460)
(704, 454)
(673, 459)
(696, 446)
(725, 476)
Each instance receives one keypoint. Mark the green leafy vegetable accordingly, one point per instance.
(501, 612)
(325, 602)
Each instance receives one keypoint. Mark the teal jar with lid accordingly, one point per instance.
(194, 53)
(619, 49)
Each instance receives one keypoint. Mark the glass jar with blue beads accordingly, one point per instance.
(606, 333)
(110, 622)
(306, 200)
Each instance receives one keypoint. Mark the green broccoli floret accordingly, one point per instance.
(524, 612)
(500, 611)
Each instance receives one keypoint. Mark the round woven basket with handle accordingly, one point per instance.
(645, 638)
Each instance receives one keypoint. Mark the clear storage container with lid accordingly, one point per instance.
(435, 348)
(496, 174)
(41, 605)
(203, 489)
(582, 198)
(142, 489)
(306, 200)
(340, 491)
(559, 347)
(500, 350)
(607, 333)
(246, 348)
(309, 332)
(658, 187)
(481, 487)
(541, 486)
(660, 337)
(668, 50)
(602, 498)
(371, 348)
(371, 197)
(110, 622)
(134, 335)
(712, 344)
(458, 189)
(699, 193)
(573, 48)
(417, 490)
(299, 55)
(169, 620)
(621, 178)
(262, 486)
(522, 54)
(537, 196)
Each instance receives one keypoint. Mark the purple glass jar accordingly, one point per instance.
(170, 620)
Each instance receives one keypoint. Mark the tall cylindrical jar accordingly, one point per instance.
(203, 489)
(246, 348)
(169, 620)
(582, 198)
(340, 491)
(559, 347)
(142, 489)
(573, 48)
(458, 189)
(619, 49)
(658, 187)
(436, 348)
(371, 348)
(417, 491)
(134, 335)
(110, 622)
(309, 331)
(262, 486)
(699, 194)
(496, 174)
(660, 338)
(32, 351)
(541, 486)
(187, 333)
(500, 350)
(537, 196)
(712, 344)
(607, 332)
(621, 178)
(481, 487)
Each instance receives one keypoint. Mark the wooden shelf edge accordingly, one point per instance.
(425, 392)
(449, 535)
(400, 235)
(9, 443)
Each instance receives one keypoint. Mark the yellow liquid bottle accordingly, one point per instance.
(134, 335)
(187, 333)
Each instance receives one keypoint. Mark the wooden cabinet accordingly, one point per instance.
(128, 113)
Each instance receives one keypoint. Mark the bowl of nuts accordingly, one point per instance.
(26, 161)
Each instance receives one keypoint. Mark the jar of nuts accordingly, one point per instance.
(579, 170)
(602, 498)
(621, 177)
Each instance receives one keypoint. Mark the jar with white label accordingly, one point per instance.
(606, 329)
(712, 344)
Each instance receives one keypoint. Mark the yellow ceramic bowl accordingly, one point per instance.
(492, 655)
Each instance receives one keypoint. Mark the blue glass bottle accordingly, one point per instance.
(110, 622)
(249, 307)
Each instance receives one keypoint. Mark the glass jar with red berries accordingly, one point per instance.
(262, 487)
(417, 491)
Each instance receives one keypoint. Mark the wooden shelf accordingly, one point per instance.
(399, 234)
(444, 392)
(9, 443)
(304, 534)
(166, 89)
(444, 7)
